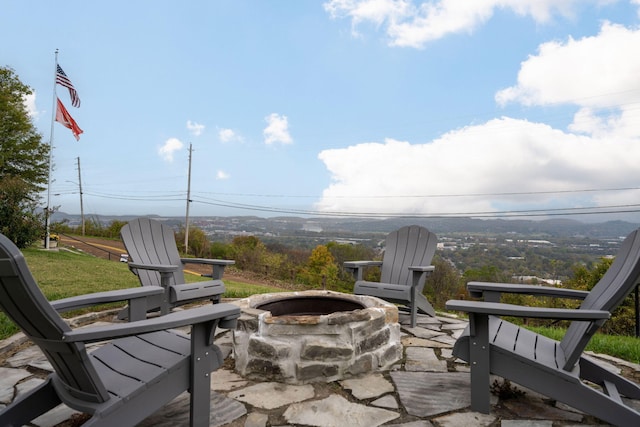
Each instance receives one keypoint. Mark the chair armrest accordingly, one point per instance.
(419, 275)
(217, 265)
(81, 301)
(224, 312)
(491, 291)
(160, 268)
(357, 267)
(423, 268)
(224, 262)
(360, 264)
(501, 309)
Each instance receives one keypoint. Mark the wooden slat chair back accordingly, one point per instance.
(618, 282)
(403, 270)
(151, 242)
(25, 305)
(406, 247)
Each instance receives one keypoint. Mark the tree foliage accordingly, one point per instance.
(23, 163)
(443, 284)
(18, 218)
(320, 270)
(199, 245)
(622, 320)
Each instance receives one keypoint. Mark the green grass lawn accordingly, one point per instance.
(62, 274)
(623, 347)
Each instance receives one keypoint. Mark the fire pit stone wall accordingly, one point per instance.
(305, 348)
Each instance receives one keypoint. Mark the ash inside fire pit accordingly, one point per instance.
(315, 336)
(309, 306)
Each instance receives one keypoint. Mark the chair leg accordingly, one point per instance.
(424, 305)
(414, 307)
(591, 371)
(30, 405)
(202, 363)
(479, 362)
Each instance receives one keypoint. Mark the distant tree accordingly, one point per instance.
(199, 245)
(18, 218)
(23, 163)
(320, 269)
(487, 273)
(622, 320)
(443, 284)
(220, 250)
(346, 252)
(249, 253)
(113, 231)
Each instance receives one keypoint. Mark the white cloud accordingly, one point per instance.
(194, 128)
(229, 135)
(596, 71)
(222, 175)
(500, 156)
(170, 146)
(30, 104)
(413, 25)
(277, 130)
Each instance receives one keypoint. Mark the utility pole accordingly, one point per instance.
(186, 227)
(80, 187)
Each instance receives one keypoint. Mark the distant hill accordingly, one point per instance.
(543, 228)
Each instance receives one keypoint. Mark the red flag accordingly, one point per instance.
(63, 116)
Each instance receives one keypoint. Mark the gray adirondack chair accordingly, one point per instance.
(143, 367)
(557, 369)
(403, 270)
(154, 258)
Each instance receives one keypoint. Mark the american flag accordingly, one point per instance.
(62, 79)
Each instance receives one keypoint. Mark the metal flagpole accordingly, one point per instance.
(186, 227)
(53, 118)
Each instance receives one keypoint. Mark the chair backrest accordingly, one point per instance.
(409, 246)
(619, 280)
(24, 303)
(150, 242)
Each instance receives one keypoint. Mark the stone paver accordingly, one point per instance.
(225, 380)
(423, 333)
(256, 419)
(273, 395)
(423, 359)
(8, 379)
(426, 394)
(525, 423)
(421, 423)
(535, 408)
(336, 411)
(176, 414)
(388, 402)
(367, 387)
(458, 419)
(54, 417)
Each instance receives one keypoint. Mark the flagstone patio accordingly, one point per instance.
(428, 387)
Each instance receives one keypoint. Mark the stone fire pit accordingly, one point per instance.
(315, 336)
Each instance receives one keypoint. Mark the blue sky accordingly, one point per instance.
(376, 107)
